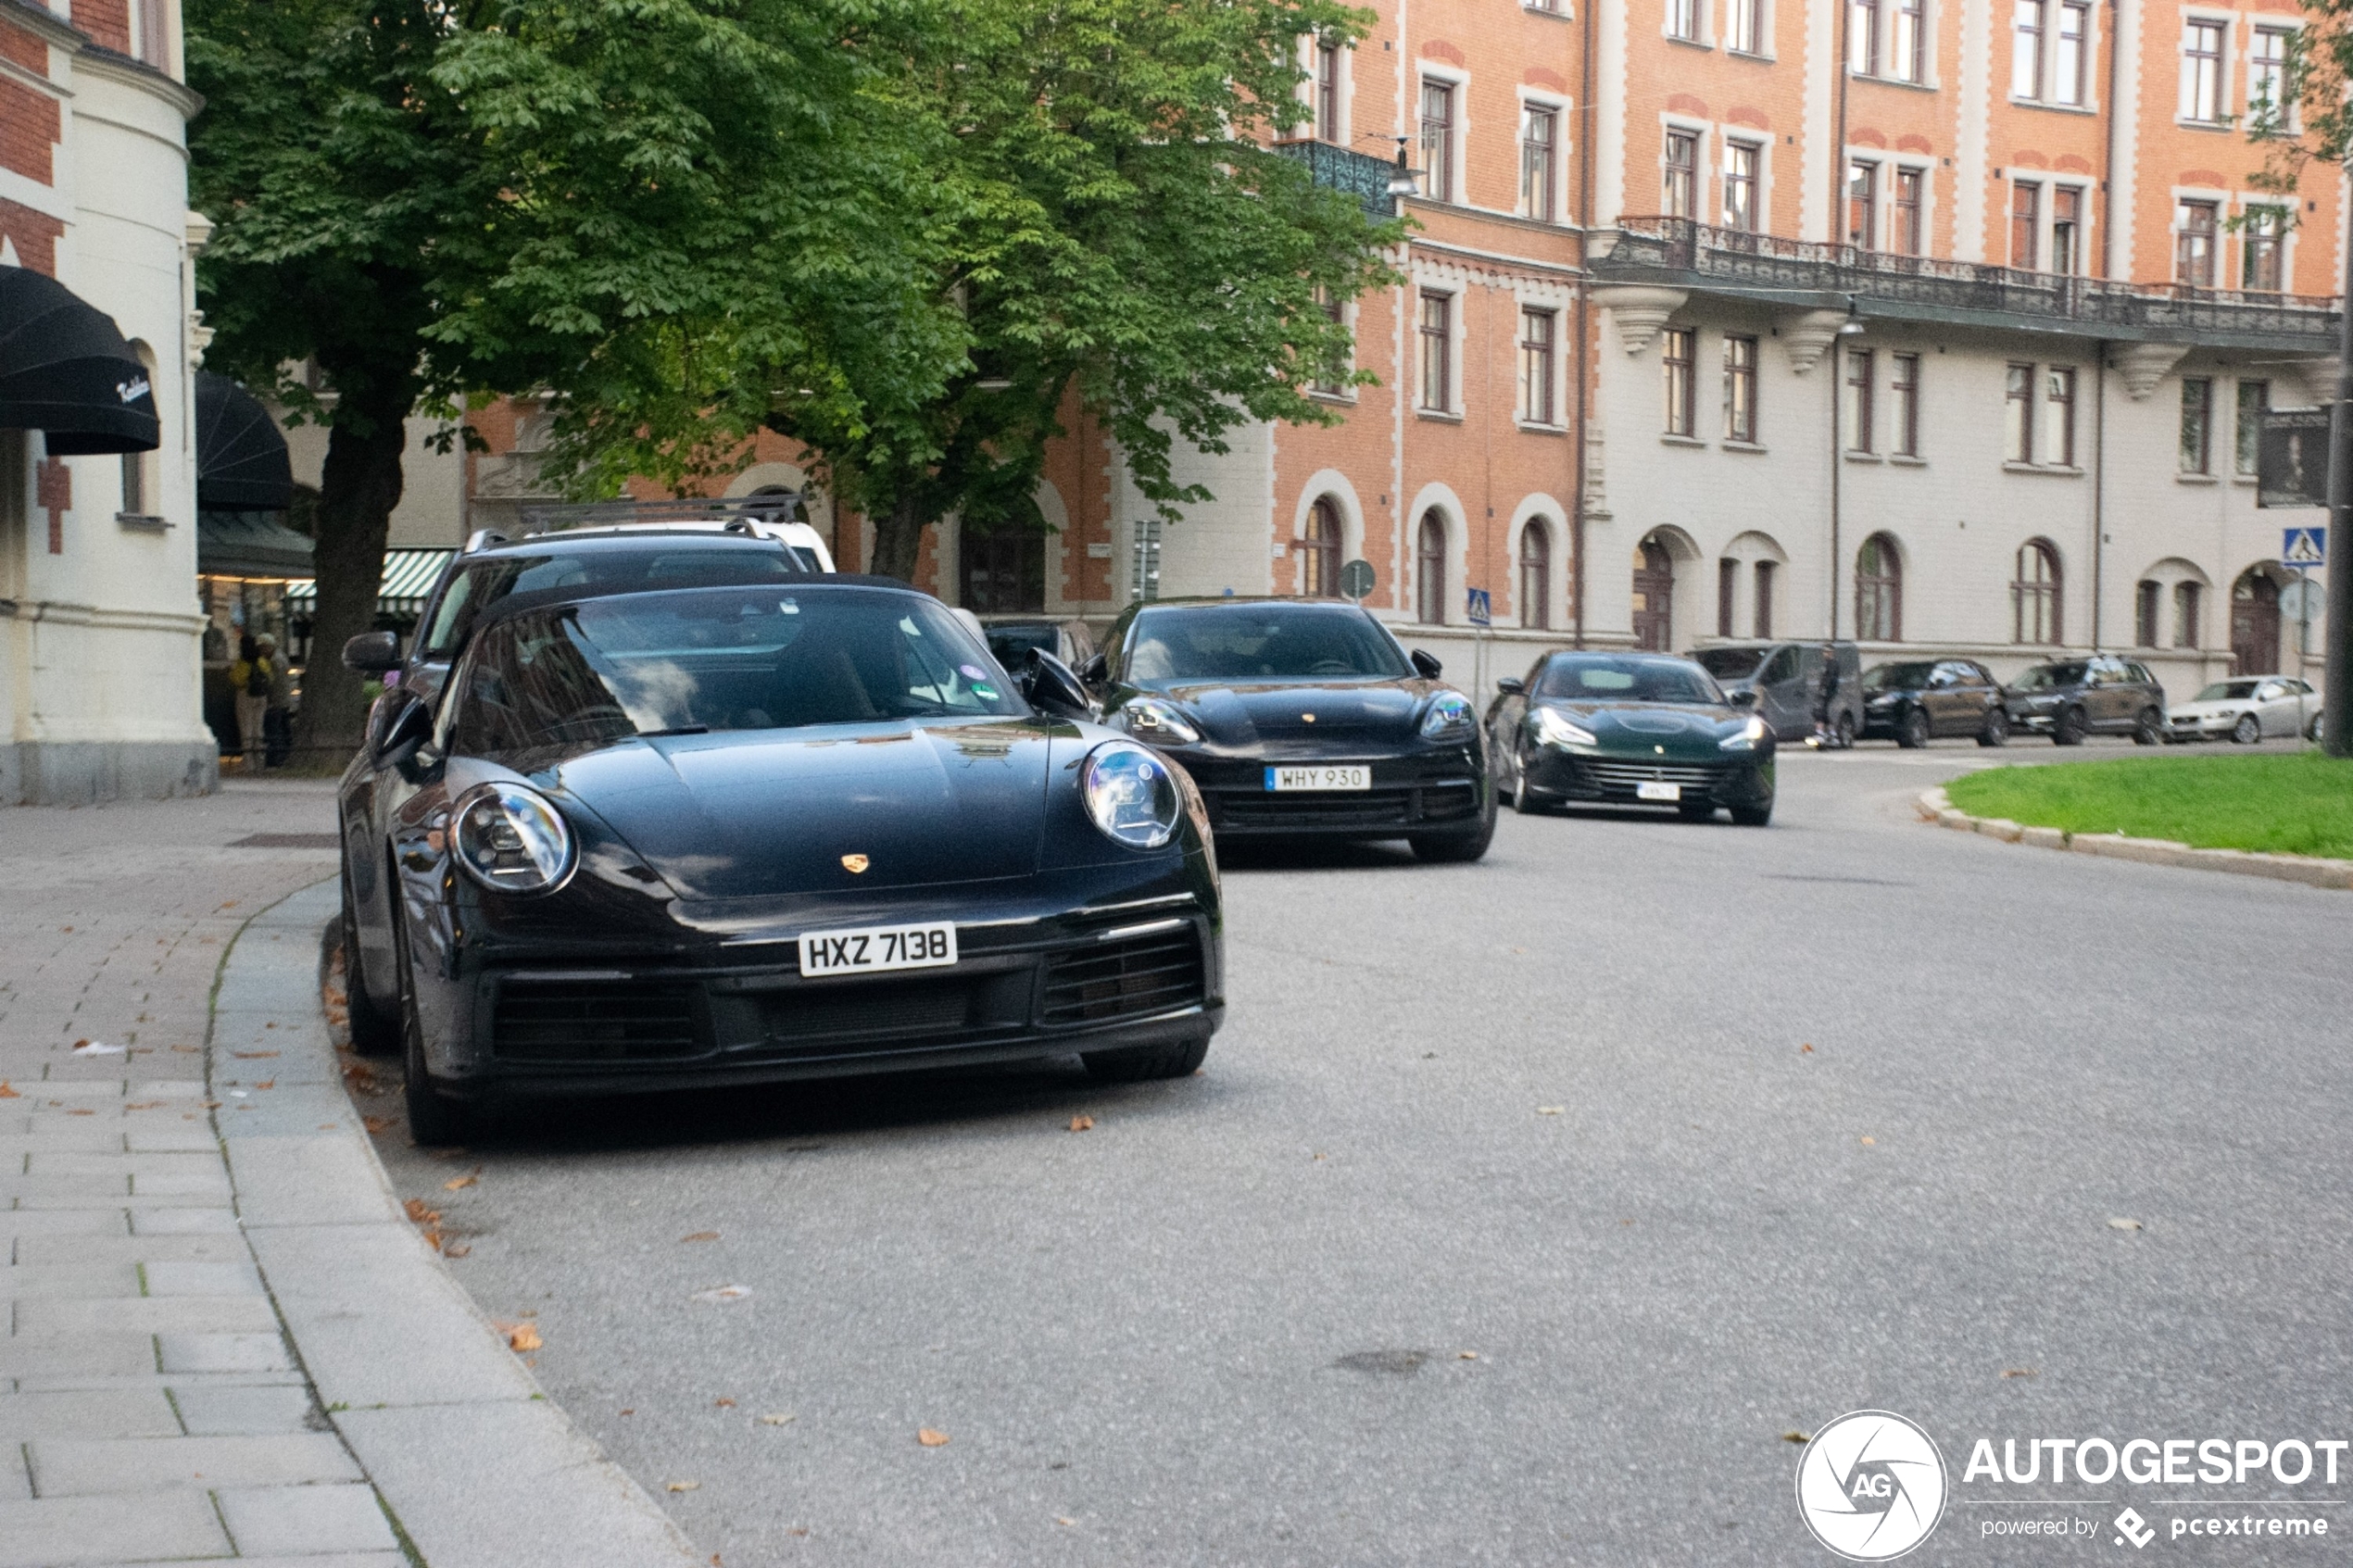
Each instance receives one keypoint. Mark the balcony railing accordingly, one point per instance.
(1339, 168)
(1689, 252)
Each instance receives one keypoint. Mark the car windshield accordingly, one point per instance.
(1014, 645)
(2048, 677)
(2226, 691)
(719, 659)
(1730, 664)
(670, 562)
(1260, 641)
(1895, 677)
(1629, 677)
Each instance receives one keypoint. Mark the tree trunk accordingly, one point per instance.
(359, 486)
(898, 537)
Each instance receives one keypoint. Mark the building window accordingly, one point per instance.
(1331, 378)
(1537, 329)
(2034, 593)
(1740, 25)
(1904, 390)
(1000, 571)
(1910, 212)
(2197, 424)
(2194, 244)
(2070, 60)
(1878, 591)
(2266, 78)
(1682, 174)
(1728, 593)
(1438, 141)
(2255, 396)
(2017, 415)
(1858, 400)
(1437, 352)
(1740, 388)
(2148, 599)
(1682, 20)
(1539, 159)
(2026, 49)
(1862, 205)
(1536, 574)
(1764, 627)
(2067, 229)
(2202, 71)
(2026, 225)
(1429, 574)
(1327, 92)
(1862, 36)
(2260, 249)
(2189, 599)
(1906, 54)
(1681, 359)
(1320, 551)
(1741, 160)
(2058, 416)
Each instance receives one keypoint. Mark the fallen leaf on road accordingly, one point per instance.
(1467, 1355)
(686, 1486)
(1321, 1155)
(419, 1213)
(1871, 1143)
(700, 1235)
(2018, 1371)
(725, 1404)
(266, 1083)
(1805, 1050)
(1064, 1519)
(1549, 1110)
(930, 1438)
(82, 1113)
(375, 1124)
(454, 1182)
(94, 1047)
(779, 1419)
(143, 1105)
(8, 1093)
(524, 1337)
(328, 1126)
(631, 1410)
(1795, 1437)
(251, 1056)
(1080, 1123)
(723, 1293)
(455, 1250)
(2124, 1224)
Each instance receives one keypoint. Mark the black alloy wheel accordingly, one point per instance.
(2149, 728)
(1133, 1064)
(2069, 727)
(2247, 730)
(435, 1120)
(1460, 848)
(1912, 731)
(1997, 727)
(1523, 800)
(375, 1030)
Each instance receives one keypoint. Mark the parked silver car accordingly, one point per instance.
(2248, 709)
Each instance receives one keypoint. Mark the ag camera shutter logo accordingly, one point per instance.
(1871, 1485)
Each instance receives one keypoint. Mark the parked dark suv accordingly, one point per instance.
(1785, 676)
(1913, 701)
(2071, 698)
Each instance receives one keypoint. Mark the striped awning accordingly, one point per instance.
(409, 577)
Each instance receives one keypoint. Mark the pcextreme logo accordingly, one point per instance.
(1871, 1485)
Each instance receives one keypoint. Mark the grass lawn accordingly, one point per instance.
(2294, 804)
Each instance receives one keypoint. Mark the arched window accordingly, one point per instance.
(1878, 591)
(1653, 596)
(2034, 593)
(1429, 577)
(1536, 574)
(1320, 551)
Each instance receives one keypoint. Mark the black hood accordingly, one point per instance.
(1232, 714)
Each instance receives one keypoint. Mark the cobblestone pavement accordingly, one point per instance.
(150, 1408)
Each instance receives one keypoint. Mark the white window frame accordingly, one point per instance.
(1521, 305)
(1763, 11)
(1703, 171)
(1558, 108)
(2222, 22)
(2083, 189)
(1763, 195)
(1454, 291)
(1927, 172)
(1926, 53)
(1703, 34)
(1458, 133)
(2284, 31)
(2290, 231)
(2222, 203)
(1343, 95)
(1883, 195)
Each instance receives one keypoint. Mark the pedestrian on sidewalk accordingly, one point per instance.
(277, 719)
(1826, 701)
(250, 678)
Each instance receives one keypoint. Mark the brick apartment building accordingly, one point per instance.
(1942, 324)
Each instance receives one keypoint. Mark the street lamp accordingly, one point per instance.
(1407, 180)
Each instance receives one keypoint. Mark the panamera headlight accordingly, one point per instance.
(1745, 737)
(1450, 717)
(1132, 794)
(1555, 730)
(511, 839)
(1156, 722)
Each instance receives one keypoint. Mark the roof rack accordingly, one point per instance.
(738, 512)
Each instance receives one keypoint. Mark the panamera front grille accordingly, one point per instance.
(1124, 979)
(601, 1021)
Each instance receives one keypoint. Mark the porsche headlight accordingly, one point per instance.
(1554, 730)
(1132, 794)
(1448, 718)
(1745, 737)
(511, 839)
(1156, 722)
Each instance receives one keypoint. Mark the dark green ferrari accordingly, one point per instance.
(1629, 729)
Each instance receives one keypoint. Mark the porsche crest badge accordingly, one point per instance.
(854, 864)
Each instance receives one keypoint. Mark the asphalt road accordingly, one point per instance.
(1512, 1220)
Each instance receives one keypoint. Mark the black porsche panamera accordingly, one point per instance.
(1302, 717)
(734, 834)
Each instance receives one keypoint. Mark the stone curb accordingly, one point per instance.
(1935, 807)
(480, 1469)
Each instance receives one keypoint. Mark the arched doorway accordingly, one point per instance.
(1878, 591)
(1003, 570)
(1536, 574)
(1320, 551)
(1653, 596)
(1430, 569)
(2255, 623)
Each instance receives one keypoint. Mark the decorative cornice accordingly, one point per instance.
(2143, 365)
(98, 60)
(1640, 311)
(1805, 335)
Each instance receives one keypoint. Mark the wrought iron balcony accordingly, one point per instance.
(1339, 168)
(1682, 252)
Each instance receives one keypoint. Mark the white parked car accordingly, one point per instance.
(2246, 709)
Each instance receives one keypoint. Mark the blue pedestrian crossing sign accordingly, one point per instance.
(2304, 547)
(1479, 606)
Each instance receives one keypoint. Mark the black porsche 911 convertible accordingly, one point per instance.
(733, 835)
(1301, 717)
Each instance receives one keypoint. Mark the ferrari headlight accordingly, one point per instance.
(1132, 794)
(1448, 718)
(1745, 737)
(511, 839)
(1555, 730)
(1156, 722)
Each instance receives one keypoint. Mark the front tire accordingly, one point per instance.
(1134, 1064)
(435, 1120)
(375, 1030)
(2149, 729)
(1997, 728)
(1523, 800)
(2070, 728)
(1912, 730)
(1457, 848)
(2247, 730)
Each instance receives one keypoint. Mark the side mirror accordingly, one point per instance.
(1743, 698)
(403, 732)
(1427, 664)
(1048, 684)
(373, 653)
(1093, 671)
(1509, 685)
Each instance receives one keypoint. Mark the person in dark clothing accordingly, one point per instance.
(1826, 700)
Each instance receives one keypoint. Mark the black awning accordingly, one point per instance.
(241, 453)
(246, 545)
(65, 370)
